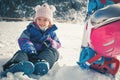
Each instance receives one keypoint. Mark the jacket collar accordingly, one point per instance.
(49, 30)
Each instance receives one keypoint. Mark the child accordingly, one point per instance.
(38, 44)
(94, 5)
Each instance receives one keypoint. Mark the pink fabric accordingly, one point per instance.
(105, 40)
(55, 44)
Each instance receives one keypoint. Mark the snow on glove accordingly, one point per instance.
(29, 48)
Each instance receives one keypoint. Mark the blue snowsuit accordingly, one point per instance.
(34, 39)
(36, 46)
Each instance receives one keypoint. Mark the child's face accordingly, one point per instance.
(42, 22)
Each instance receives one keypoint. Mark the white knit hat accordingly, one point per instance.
(45, 11)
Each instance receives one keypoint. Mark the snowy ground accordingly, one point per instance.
(65, 69)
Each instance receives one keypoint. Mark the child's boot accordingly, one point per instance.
(41, 68)
(26, 66)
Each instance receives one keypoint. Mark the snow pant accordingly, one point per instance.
(50, 55)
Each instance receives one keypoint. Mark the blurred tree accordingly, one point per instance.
(25, 8)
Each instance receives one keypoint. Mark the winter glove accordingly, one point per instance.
(29, 48)
(54, 44)
(86, 54)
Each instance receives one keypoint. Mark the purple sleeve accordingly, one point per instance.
(25, 44)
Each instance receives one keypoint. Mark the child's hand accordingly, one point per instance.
(53, 42)
(29, 48)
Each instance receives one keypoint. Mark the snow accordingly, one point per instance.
(66, 68)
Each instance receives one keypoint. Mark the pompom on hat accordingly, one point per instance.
(45, 11)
